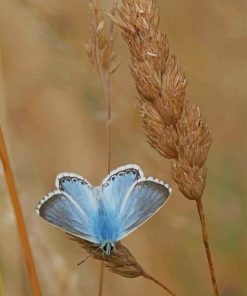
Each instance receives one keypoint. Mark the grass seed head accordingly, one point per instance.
(120, 261)
(174, 126)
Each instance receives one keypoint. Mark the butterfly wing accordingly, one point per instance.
(72, 207)
(122, 203)
(116, 185)
(143, 200)
(80, 189)
(110, 196)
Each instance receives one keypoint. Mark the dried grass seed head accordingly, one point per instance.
(99, 47)
(173, 126)
(120, 261)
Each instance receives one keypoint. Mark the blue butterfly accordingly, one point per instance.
(106, 214)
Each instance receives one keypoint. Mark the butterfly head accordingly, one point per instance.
(107, 247)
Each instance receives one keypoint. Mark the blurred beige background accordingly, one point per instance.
(52, 112)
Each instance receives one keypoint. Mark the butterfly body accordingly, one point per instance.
(105, 214)
(107, 247)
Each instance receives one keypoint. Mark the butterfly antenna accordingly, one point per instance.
(85, 259)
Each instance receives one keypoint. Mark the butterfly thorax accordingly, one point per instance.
(107, 247)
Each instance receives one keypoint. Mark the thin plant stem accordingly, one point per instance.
(33, 278)
(2, 292)
(101, 278)
(107, 87)
(206, 244)
(149, 277)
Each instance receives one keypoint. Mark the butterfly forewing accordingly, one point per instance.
(80, 189)
(72, 207)
(117, 184)
(110, 196)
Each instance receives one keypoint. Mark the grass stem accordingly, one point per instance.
(107, 86)
(101, 278)
(33, 278)
(206, 244)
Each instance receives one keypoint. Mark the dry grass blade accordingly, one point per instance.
(174, 126)
(121, 262)
(33, 278)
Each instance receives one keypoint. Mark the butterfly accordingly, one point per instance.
(105, 214)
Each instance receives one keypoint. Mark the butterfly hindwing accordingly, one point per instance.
(142, 201)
